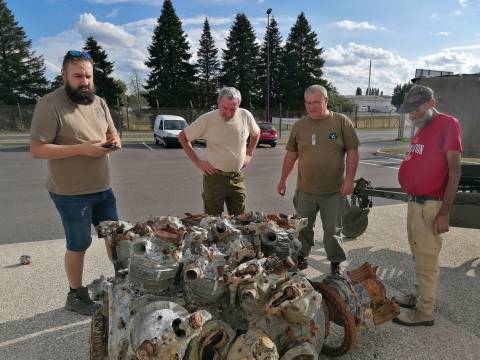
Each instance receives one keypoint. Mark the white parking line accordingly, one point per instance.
(374, 164)
(42, 332)
(147, 146)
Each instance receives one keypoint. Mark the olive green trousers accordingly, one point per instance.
(224, 188)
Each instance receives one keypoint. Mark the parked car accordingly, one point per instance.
(268, 134)
(166, 129)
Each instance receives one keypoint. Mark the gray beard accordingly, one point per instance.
(425, 119)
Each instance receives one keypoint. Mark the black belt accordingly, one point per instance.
(422, 198)
(227, 173)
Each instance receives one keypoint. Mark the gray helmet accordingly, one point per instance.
(355, 221)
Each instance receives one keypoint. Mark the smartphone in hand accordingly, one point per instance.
(109, 146)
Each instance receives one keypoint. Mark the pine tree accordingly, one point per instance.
(359, 91)
(172, 77)
(22, 74)
(241, 60)
(276, 53)
(302, 63)
(106, 86)
(56, 82)
(208, 67)
(399, 93)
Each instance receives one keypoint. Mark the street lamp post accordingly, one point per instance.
(267, 110)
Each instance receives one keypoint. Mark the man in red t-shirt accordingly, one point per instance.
(430, 174)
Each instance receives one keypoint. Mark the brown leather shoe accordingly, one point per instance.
(335, 268)
(408, 301)
(413, 318)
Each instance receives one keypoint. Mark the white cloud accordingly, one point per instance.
(443, 33)
(458, 62)
(139, 24)
(457, 12)
(112, 14)
(110, 2)
(463, 3)
(462, 47)
(347, 68)
(353, 25)
(201, 19)
(346, 65)
(433, 16)
(103, 31)
(53, 49)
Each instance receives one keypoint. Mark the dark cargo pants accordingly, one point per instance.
(330, 207)
(224, 188)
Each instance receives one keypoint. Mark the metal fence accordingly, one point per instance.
(17, 118)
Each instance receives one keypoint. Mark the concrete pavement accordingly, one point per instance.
(34, 325)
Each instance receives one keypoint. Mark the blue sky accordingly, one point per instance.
(398, 36)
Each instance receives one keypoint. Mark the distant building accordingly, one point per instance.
(430, 73)
(371, 103)
(458, 95)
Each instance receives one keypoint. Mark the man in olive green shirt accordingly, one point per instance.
(320, 141)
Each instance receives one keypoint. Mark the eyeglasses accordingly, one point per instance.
(313, 103)
(75, 53)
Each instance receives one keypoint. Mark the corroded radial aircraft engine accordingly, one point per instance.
(225, 288)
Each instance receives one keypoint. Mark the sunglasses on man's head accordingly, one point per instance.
(75, 53)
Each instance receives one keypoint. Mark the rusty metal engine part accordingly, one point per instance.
(25, 260)
(206, 289)
(255, 344)
(213, 342)
(98, 336)
(202, 275)
(294, 315)
(153, 264)
(163, 330)
(354, 300)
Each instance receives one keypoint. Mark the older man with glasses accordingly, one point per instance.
(72, 129)
(225, 131)
(320, 141)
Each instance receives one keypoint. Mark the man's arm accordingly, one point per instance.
(287, 167)
(252, 145)
(350, 171)
(204, 166)
(440, 225)
(114, 138)
(41, 150)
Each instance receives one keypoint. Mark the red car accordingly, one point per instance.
(268, 134)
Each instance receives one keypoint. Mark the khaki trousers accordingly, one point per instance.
(224, 188)
(425, 247)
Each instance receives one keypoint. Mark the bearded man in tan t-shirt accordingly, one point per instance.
(72, 129)
(320, 141)
(225, 132)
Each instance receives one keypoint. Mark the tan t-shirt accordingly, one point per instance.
(226, 140)
(321, 146)
(58, 120)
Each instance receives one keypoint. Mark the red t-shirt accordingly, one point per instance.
(424, 170)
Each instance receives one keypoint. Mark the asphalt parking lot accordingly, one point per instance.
(34, 325)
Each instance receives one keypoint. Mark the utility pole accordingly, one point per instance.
(267, 110)
(369, 74)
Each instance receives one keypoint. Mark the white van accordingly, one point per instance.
(167, 128)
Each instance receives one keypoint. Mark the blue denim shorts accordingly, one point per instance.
(79, 212)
